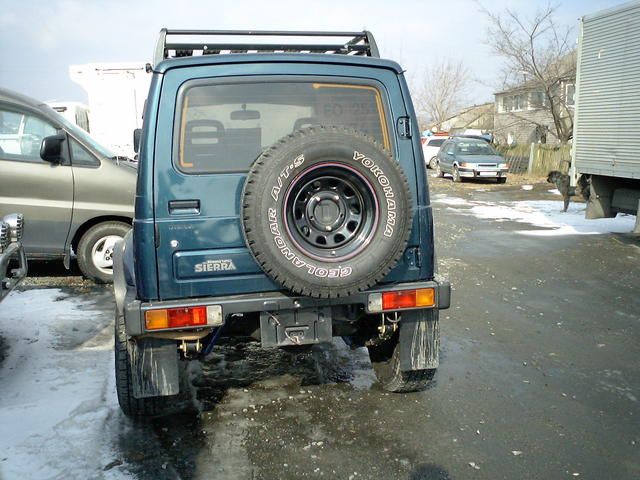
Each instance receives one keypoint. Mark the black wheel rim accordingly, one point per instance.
(331, 212)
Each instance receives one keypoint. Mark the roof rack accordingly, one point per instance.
(358, 43)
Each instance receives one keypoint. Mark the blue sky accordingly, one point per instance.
(40, 39)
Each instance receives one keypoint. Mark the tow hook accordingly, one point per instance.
(392, 319)
(388, 326)
(190, 349)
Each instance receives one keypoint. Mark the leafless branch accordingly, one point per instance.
(538, 56)
(442, 90)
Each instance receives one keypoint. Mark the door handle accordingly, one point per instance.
(184, 207)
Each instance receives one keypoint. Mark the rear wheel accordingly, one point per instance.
(433, 162)
(95, 250)
(502, 179)
(149, 406)
(131, 406)
(439, 171)
(385, 359)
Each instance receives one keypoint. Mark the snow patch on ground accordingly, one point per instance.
(453, 201)
(544, 214)
(57, 393)
(527, 187)
(555, 191)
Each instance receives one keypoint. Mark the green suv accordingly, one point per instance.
(282, 198)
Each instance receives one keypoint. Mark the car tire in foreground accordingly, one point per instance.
(95, 250)
(150, 406)
(439, 171)
(326, 212)
(132, 407)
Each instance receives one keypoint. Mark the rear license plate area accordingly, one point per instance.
(295, 327)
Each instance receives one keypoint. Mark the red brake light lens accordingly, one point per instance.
(175, 317)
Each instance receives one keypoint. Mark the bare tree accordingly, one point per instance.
(441, 90)
(539, 56)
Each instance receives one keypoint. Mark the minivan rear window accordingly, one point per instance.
(225, 127)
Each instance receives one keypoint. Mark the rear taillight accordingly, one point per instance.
(200, 316)
(402, 299)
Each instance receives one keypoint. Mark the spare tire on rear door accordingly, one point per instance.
(326, 212)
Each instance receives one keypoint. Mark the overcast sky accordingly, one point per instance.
(40, 39)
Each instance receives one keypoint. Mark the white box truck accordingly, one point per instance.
(75, 112)
(116, 94)
(607, 116)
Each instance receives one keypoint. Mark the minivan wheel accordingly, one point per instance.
(95, 250)
(433, 162)
(456, 175)
(439, 171)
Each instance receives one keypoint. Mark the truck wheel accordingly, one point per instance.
(385, 359)
(326, 212)
(132, 407)
(95, 250)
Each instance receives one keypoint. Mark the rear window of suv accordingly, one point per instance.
(223, 128)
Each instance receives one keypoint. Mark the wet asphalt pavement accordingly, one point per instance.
(539, 376)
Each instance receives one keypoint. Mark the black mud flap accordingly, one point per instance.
(419, 340)
(154, 367)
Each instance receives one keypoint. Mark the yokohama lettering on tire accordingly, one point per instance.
(326, 212)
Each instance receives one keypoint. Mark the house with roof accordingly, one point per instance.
(476, 117)
(538, 111)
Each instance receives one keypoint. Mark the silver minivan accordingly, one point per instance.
(78, 196)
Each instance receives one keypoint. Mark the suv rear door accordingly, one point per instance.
(220, 126)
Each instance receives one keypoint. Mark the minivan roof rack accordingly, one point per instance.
(357, 43)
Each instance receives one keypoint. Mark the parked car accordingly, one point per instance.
(471, 158)
(11, 249)
(430, 148)
(77, 196)
(281, 197)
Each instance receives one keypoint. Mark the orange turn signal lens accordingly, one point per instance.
(423, 297)
(155, 319)
(175, 317)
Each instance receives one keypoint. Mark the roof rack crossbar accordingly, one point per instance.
(361, 43)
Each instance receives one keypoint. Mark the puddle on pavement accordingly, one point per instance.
(273, 414)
